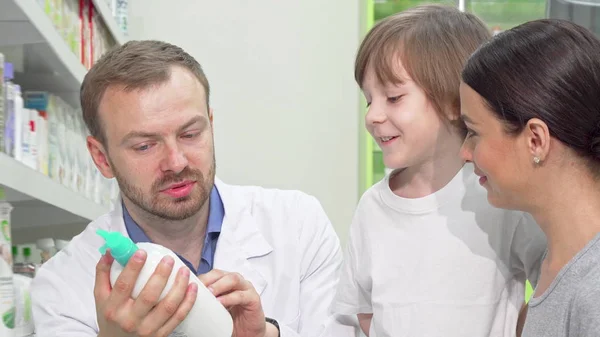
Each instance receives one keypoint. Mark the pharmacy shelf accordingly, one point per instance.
(42, 59)
(110, 21)
(39, 200)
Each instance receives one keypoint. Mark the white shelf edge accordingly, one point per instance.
(17, 176)
(42, 23)
(110, 22)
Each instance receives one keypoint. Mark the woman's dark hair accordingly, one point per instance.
(547, 69)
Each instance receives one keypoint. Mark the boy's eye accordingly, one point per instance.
(470, 133)
(394, 99)
(368, 104)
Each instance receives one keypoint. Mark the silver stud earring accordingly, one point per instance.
(536, 160)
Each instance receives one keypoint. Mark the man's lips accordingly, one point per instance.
(180, 189)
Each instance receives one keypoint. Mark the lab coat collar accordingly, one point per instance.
(240, 238)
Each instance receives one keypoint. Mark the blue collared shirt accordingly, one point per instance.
(216, 214)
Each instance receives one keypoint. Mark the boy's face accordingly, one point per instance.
(402, 121)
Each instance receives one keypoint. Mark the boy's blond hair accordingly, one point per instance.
(432, 42)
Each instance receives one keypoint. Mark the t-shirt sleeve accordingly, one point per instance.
(584, 318)
(528, 248)
(353, 294)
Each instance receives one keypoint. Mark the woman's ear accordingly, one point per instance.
(537, 138)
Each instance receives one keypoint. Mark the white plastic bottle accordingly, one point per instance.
(18, 122)
(2, 102)
(30, 133)
(207, 318)
(7, 294)
(47, 248)
(9, 118)
(23, 313)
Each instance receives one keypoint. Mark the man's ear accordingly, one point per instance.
(100, 157)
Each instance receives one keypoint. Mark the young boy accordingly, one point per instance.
(427, 254)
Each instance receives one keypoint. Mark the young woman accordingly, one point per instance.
(531, 102)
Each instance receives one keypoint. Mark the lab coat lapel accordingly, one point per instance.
(240, 240)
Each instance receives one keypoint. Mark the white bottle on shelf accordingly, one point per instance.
(62, 161)
(25, 136)
(68, 144)
(8, 124)
(53, 139)
(74, 143)
(207, 318)
(18, 123)
(23, 311)
(47, 247)
(7, 295)
(42, 142)
(31, 159)
(2, 102)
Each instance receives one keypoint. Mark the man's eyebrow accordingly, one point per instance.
(193, 121)
(144, 134)
(138, 134)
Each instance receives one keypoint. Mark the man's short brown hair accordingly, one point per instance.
(134, 65)
(432, 42)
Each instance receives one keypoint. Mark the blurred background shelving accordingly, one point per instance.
(46, 47)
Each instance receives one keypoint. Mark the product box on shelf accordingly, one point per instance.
(121, 15)
(71, 25)
(2, 108)
(81, 27)
(85, 6)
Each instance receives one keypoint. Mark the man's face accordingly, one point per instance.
(159, 145)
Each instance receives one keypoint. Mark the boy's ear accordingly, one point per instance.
(452, 113)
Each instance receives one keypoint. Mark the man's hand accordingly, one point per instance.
(243, 302)
(121, 316)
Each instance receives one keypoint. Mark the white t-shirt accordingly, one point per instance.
(448, 264)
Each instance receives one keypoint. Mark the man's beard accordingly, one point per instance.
(164, 207)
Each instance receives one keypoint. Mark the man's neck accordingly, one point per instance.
(184, 237)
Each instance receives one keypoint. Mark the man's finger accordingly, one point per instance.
(239, 298)
(168, 306)
(150, 295)
(228, 283)
(211, 277)
(182, 311)
(102, 284)
(124, 284)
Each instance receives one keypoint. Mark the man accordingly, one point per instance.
(271, 257)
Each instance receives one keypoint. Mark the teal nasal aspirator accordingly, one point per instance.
(121, 247)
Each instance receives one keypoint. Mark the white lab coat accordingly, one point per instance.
(281, 241)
